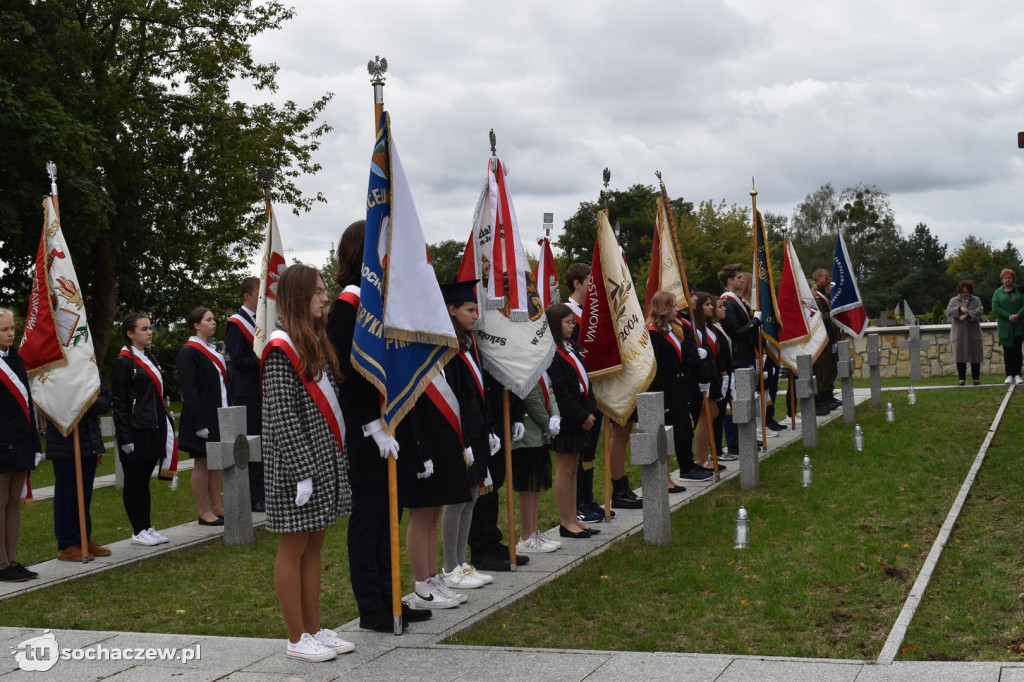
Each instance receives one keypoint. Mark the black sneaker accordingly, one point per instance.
(822, 410)
(25, 571)
(696, 474)
(587, 515)
(598, 509)
(776, 426)
(11, 574)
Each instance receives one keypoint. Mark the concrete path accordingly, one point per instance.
(418, 655)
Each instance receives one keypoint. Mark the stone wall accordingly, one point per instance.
(936, 358)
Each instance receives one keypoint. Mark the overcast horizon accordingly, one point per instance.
(917, 98)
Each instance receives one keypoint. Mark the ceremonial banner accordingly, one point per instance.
(512, 333)
(664, 274)
(57, 348)
(762, 290)
(848, 311)
(271, 269)
(619, 355)
(403, 334)
(803, 328)
(546, 275)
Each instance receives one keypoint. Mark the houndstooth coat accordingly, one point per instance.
(298, 444)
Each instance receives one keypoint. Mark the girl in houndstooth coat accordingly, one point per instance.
(304, 464)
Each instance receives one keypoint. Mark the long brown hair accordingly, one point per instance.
(295, 289)
(128, 325)
(661, 310)
(350, 254)
(557, 312)
(700, 321)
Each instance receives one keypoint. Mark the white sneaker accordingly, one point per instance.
(546, 540)
(439, 583)
(488, 579)
(330, 639)
(533, 545)
(1018, 379)
(1008, 380)
(428, 596)
(462, 578)
(310, 649)
(771, 434)
(145, 539)
(153, 532)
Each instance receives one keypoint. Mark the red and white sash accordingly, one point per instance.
(545, 388)
(169, 465)
(350, 295)
(478, 377)
(738, 300)
(218, 361)
(713, 342)
(245, 326)
(444, 399)
(671, 338)
(581, 372)
(820, 294)
(577, 311)
(15, 385)
(322, 392)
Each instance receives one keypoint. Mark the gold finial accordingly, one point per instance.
(753, 189)
(606, 193)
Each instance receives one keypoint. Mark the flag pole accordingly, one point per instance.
(377, 67)
(689, 305)
(51, 170)
(760, 336)
(606, 193)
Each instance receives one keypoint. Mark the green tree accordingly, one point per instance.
(712, 236)
(812, 228)
(446, 257)
(158, 192)
(975, 259)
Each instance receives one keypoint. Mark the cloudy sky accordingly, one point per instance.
(923, 99)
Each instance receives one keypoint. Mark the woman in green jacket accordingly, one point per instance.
(531, 464)
(1008, 305)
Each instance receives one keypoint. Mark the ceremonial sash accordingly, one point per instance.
(17, 388)
(740, 301)
(577, 311)
(713, 342)
(581, 373)
(218, 361)
(169, 464)
(823, 297)
(350, 295)
(477, 375)
(444, 399)
(244, 325)
(545, 383)
(321, 392)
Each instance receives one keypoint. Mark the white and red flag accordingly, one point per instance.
(619, 355)
(57, 346)
(512, 333)
(803, 328)
(271, 269)
(546, 275)
(664, 274)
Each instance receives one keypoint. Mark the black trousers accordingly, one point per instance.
(1012, 358)
(137, 474)
(585, 474)
(369, 547)
(771, 387)
(484, 535)
(65, 500)
(961, 370)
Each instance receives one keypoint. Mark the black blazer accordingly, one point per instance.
(742, 328)
(566, 385)
(136, 402)
(19, 439)
(90, 438)
(245, 366)
(200, 397)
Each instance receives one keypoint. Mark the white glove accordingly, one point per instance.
(428, 470)
(758, 315)
(704, 388)
(554, 425)
(128, 448)
(495, 442)
(468, 455)
(488, 481)
(518, 430)
(732, 383)
(725, 385)
(203, 433)
(835, 347)
(386, 443)
(764, 375)
(39, 458)
(702, 353)
(303, 491)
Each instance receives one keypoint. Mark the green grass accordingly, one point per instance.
(973, 608)
(828, 567)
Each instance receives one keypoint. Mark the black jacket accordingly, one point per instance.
(199, 380)
(565, 383)
(743, 329)
(19, 439)
(137, 405)
(90, 438)
(245, 366)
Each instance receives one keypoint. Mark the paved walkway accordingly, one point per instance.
(417, 654)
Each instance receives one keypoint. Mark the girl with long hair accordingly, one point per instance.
(303, 453)
(709, 340)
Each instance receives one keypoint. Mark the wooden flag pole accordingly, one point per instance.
(377, 68)
(80, 488)
(689, 306)
(607, 469)
(509, 493)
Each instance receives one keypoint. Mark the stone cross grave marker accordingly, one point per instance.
(915, 343)
(649, 449)
(845, 367)
(232, 455)
(744, 407)
(107, 431)
(876, 370)
(805, 392)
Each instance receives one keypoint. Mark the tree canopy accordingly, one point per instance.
(156, 163)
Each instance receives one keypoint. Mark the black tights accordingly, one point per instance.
(961, 370)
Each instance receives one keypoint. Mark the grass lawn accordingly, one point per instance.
(828, 567)
(974, 607)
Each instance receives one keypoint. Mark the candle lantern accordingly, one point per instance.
(911, 396)
(858, 438)
(890, 413)
(805, 472)
(742, 530)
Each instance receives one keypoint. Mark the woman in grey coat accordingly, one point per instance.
(964, 313)
(305, 472)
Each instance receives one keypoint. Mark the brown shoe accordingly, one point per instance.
(72, 553)
(98, 550)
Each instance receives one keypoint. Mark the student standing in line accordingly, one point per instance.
(245, 376)
(531, 465)
(19, 449)
(144, 433)
(306, 473)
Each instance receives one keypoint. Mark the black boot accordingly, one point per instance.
(623, 496)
